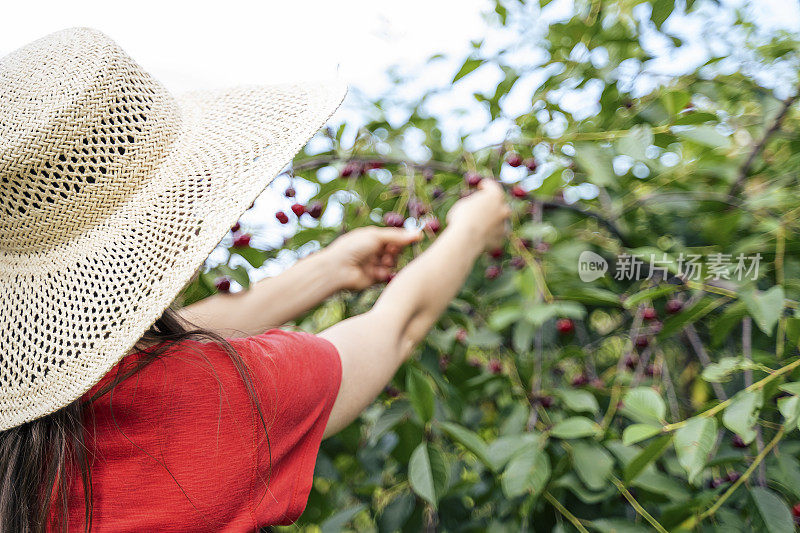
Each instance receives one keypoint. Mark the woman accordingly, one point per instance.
(115, 413)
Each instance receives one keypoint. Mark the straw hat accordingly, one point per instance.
(112, 193)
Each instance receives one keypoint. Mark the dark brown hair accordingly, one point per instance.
(40, 459)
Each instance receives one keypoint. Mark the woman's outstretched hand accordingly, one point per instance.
(365, 256)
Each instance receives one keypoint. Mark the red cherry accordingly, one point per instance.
(545, 401)
(642, 341)
(282, 218)
(514, 159)
(223, 284)
(298, 209)
(416, 208)
(372, 165)
(315, 209)
(242, 241)
(461, 335)
(289, 192)
(580, 380)
(495, 366)
(517, 263)
(472, 179)
(391, 391)
(518, 192)
(351, 169)
(391, 276)
(393, 220)
(433, 225)
(738, 442)
(673, 306)
(796, 510)
(565, 326)
(444, 361)
(630, 362)
(531, 164)
(649, 313)
(493, 272)
(496, 253)
(236, 227)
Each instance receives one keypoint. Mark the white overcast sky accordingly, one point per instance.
(200, 44)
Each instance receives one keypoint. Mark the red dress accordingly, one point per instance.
(178, 447)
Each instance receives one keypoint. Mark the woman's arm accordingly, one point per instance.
(373, 345)
(355, 261)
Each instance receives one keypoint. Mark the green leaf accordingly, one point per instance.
(652, 452)
(693, 442)
(470, 441)
(420, 474)
(577, 400)
(773, 511)
(420, 392)
(644, 405)
(790, 409)
(653, 293)
(742, 414)
(705, 136)
(639, 432)
(255, 257)
(469, 65)
(720, 371)
(428, 473)
(597, 163)
(636, 142)
(574, 428)
(676, 323)
(527, 472)
(765, 307)
(593, 464)
(793, 330)
(502, 449)
(662, 9)
(484, 338)
(791, 388)
(504, 317)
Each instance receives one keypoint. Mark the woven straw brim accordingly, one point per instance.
(119, 277)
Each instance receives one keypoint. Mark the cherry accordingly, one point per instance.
(518, 192)
(642, 341)
(531, 164)
(428, 175)
(649, 313)
(526, 243)
(444, 361)
(433, 225)
(416, 208)
(372, 165)
(496, 253)
(242, 241)
(628, 104)
(514, 159)
(517, 262)
(472, 179)
(738, 442)
(351, 169)
(495, 366)
(282, 218)
(565, 326)
(289, 192)
(545, 401)
(391, 276)
(673, 306)
(580, 380)
(393, 220)
(298, 209)
(223, 284)
(315, 209)
(461, 335)
(796, 510)
(437, 193)
(655, 326)
(631, 361)
(236, 227)
(391, 391)
(493, 272)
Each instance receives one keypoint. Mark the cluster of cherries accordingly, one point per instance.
(240, 240)
(314, 209)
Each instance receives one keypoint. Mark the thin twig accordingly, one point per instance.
(705, 360)
(744, 170)
(574, 520)
(637, 506)
(747, 352)
(672, 398)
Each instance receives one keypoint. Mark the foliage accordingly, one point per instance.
(615, 420)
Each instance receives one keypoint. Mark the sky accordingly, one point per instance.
(198, 44)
